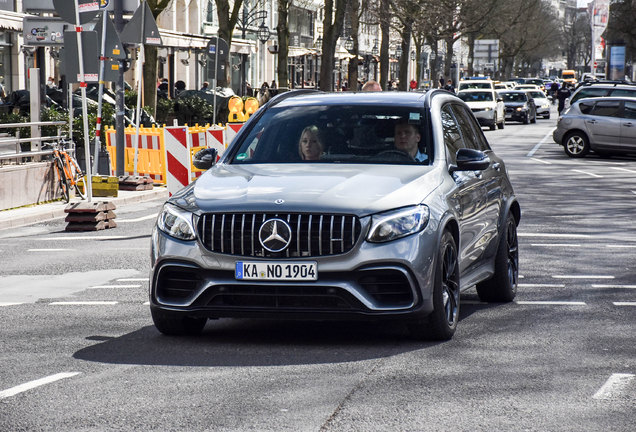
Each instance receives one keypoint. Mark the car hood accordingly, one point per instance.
(541, 101)
(352, 189)
(481, 104)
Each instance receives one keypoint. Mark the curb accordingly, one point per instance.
(41, 213)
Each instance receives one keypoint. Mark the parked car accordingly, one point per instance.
(487, 106)
(541, 102)
(605, 125)
(318, 210)
(519, 106)
(601, 88)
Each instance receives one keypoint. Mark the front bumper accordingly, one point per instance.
(374, 280)
(514, 115)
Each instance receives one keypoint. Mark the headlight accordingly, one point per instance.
(176, 222)
(487, 109)
(399, 223)
(545, 106)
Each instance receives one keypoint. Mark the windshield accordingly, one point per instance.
(475, 85)
(537, 95)
(337, 134)
(475, 96)
(513, 97)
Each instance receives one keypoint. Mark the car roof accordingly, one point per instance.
(474, 90)
(524, 91)
(606, 98)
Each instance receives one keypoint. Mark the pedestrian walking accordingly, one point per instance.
(563, 93)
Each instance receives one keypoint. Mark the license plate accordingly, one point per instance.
(280, 271)
(508, 116)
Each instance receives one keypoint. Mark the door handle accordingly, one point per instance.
(497, 166)
(591, 121)
(630, 124)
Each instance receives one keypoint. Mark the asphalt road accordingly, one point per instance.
(78, 350)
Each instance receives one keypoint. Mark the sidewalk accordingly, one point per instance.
(39, 213)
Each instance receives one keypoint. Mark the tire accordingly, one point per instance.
(175, 325)
(64, 183)
(576, 145)
(547, 116)
(493, 126)
(78, 176)
(502, 286)
(442, 322)
(526, 119)
(502, 124)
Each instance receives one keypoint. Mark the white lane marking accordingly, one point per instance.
(613, 386)
(553, 235)
(623, 169)
(124, 249)
(542, 161)
(87, 238)
(555, 244)
(36, 383)
(588, 173)
(134, 280)
(48, 250)
(582, 277)
(114, 286)
(620, 246)
(10, 304)
(624, 303)
(614, 286)
(542, 285)
(139, 219)
(545, 138)
(81, 303)
(552, 303)
(634, 192)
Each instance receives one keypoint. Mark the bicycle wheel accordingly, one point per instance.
(77, 175)
(64, 183)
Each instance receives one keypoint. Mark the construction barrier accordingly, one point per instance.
(178, 158)
(150, 152)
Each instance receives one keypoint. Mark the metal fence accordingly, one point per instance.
(11, 146)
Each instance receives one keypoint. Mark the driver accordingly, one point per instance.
(407, 138)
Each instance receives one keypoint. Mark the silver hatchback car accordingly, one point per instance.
(605, 125)
(340, 206)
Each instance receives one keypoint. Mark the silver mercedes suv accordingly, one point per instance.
(340, 206)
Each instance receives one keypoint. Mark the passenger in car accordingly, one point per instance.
(311, 144)
(407, 139)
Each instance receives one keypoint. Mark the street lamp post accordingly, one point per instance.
(246, 20)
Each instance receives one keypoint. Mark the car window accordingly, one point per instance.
(586, 107)
(589, 92)
(466, 128)
(623, 92)
(537, 94)
(467, 121)
(607, 109)
(332, 134)
(475, 96)
(514, 97)
(630, 110)
(452, 137)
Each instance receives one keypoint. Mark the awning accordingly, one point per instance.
(297, 52)
(11, 20)
(242, 47)
(182, 40)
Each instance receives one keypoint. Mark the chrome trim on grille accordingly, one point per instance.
(222, 233)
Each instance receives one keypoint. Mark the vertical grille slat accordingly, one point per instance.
(237, 234)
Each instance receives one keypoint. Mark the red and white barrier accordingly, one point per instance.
(177, 158)
(230, 132)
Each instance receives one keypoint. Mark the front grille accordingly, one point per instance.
(283, 297)
(312, 234)
(389, 287)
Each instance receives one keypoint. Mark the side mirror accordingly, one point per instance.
(500, 99)
(204, 159)
(470, 160)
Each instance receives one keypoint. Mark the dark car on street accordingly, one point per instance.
(604, 125)
(340, 206)
(519, 106)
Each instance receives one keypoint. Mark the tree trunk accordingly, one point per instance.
(385, 18)
(150, 78)
(227, 23)
(403, 76)
(282, 30)
(331, 29)
(449, 57)
(471, 54)
(353, 62)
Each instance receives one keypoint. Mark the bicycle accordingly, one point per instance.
(68, 171)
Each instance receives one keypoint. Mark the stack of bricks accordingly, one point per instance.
(135, 183)
(90, 216)
(103, 186)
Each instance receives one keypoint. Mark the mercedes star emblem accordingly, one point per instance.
(279, 201)
(275, 235)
